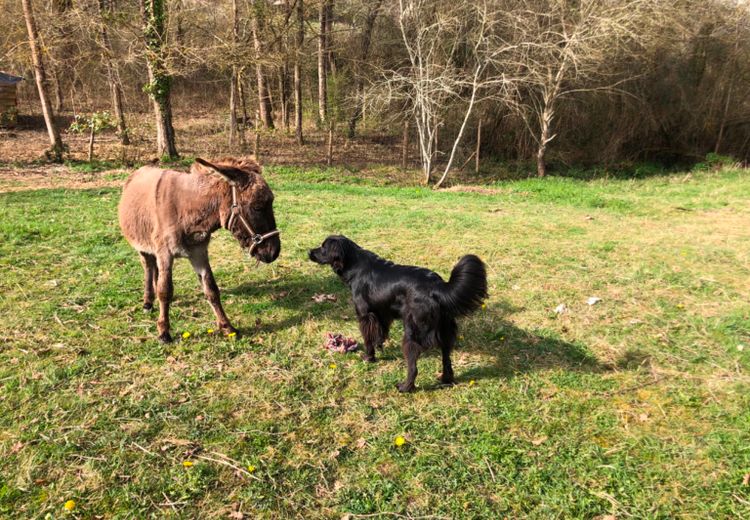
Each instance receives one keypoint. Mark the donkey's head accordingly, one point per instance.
(248, 210)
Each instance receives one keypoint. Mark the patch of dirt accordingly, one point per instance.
(38, 177)
(463, 188)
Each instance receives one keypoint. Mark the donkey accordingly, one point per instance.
(166, 214)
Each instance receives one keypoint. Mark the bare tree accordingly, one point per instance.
(265, 108)
(453, 54)
(324, 22)
(566, 48)
(40, 75)
(364, 51)
(300, 42)
(160, 82)
(113, 72)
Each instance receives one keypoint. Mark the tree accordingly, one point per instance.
(567, 48)
(265, 109)
(300, 42)
(364, 51)
(56, 144)
(160, 82)
(113, 73)
(324, 21)
(453, 61)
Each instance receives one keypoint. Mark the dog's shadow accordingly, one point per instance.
(512, 350)
(515, 351)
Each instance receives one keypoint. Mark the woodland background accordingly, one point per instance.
(542, 83)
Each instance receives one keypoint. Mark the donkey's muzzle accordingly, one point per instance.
(268, 249)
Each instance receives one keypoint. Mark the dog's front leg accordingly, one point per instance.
(369, 326)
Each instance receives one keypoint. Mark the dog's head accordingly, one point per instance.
(336, 251)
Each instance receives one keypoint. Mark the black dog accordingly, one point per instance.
(383, 291)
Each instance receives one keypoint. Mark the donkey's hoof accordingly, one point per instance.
(368, 358)
(165, 337)
(446, 379)
(148, 307)
(405, 387)
(228, 329)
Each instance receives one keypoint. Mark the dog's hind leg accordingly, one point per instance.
(447, 339)
(372, 333)
(411, 348)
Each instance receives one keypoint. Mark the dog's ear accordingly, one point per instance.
(337, 255)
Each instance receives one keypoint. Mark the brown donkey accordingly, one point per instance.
(166, 214)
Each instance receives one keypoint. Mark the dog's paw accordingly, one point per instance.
(405, 387)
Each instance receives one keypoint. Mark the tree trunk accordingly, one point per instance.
(364, 52)
(41, 83)
(160, 82)
(544, 138)
(243, 102)
(113, 75)
(265, 109)
(91, 142)
(298, 72)
(405, 146)
(329, 153)
(284, 94)
(479, 146)
(233, 107)
(323, 61)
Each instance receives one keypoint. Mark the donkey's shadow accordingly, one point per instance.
(489, 332)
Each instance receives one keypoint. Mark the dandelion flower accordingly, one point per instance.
(399, 441)
(332, 366)
(70, 505)
(472, 382)
(484, 306)
(187, 464)
(251, 468)
(185, 335)
(210, 331)
(232, 335)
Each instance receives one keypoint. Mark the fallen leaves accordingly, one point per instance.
(321, 298)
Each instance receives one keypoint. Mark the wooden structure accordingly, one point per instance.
(8, 99)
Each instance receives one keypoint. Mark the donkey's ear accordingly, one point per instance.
(228, 175)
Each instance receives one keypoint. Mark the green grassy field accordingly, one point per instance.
(636, 407)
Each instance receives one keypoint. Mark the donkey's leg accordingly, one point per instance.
(164, 291)
(199, 260)
(148, 261)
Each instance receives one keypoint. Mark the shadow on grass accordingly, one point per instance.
(513, 351)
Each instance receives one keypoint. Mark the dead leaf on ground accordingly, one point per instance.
(746, 479)
(322, 297)
(539, 440)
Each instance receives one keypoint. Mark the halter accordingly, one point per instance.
(234, 211)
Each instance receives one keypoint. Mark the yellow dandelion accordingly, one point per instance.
(185, 335)
(680, 306)
(484, 306)
(70, 505)
(472, 382)
(502, 338)
(332, 366)
(187, 464)
(399, 441)
(232, 335)
(251, 468)
(210, 331)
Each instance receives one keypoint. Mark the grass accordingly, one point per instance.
(638, 406)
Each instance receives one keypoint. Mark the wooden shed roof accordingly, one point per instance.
(9, 79)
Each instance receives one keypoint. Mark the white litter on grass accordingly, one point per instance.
(593, 300)
(561, 308)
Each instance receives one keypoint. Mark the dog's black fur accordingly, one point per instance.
(383, 291)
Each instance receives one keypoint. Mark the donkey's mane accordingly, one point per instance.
(247, 165)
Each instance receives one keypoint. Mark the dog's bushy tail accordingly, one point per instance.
(467, 287)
